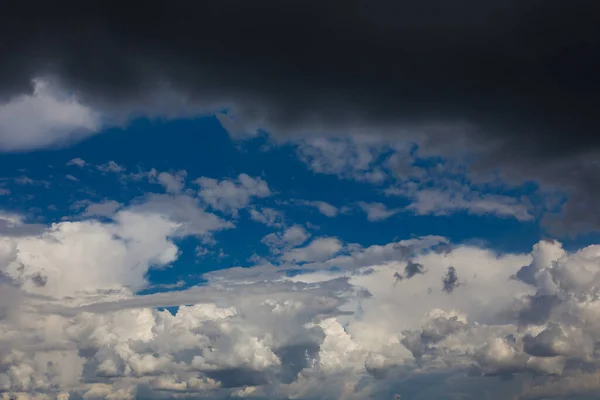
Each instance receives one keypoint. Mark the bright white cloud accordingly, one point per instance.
(230, 195)
(85, 256)
(46, 117)
(321, 319)
(185, 210)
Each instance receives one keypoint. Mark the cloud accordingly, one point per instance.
(515, 108)
(105, 208)
(450, 198)
(173, 183)
(74, 257)
(111, 166)
(268, 216)
(24, 180)
(353, 158)
(292, 236)
(450, 280)
(230, 195)
(185, 210)
(319, 249)
(77, 162)
(346, 332)
(45, 117)
(377, 211)
(324, 208)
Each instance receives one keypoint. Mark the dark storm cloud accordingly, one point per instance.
(519, 77)
(526, 67)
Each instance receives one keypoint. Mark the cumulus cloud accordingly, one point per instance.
(187, 211)
(230, 195)
(321, 319)
(319, 249)
(173, 183)
(46, 117)
(292, 236)
(268, 216)
(377, 211)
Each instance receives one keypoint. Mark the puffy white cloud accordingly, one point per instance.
(86, 256)
(46, 117)
(230, 195)
(173, 183)
(292, 236)
(72, 325)
(191, 217)
(319, 249)
(268, 216)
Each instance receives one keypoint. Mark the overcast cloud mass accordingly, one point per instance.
(300, 199)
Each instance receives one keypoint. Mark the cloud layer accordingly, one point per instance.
(330, 321)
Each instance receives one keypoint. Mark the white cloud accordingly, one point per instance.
(173, 183)
(268, 216)
(46, 117)
(77, 162)
(318, 250)
(444, 202)
(111, 166)
(355, 158)
(87, 256)
(292, 236)
(105, 208)
(377, 211)
(349, 332)
(324, 208)
(185, 210)
(231, 195)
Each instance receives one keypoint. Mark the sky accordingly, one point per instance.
(310, 200)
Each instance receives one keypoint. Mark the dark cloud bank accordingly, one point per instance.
(513, 82)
